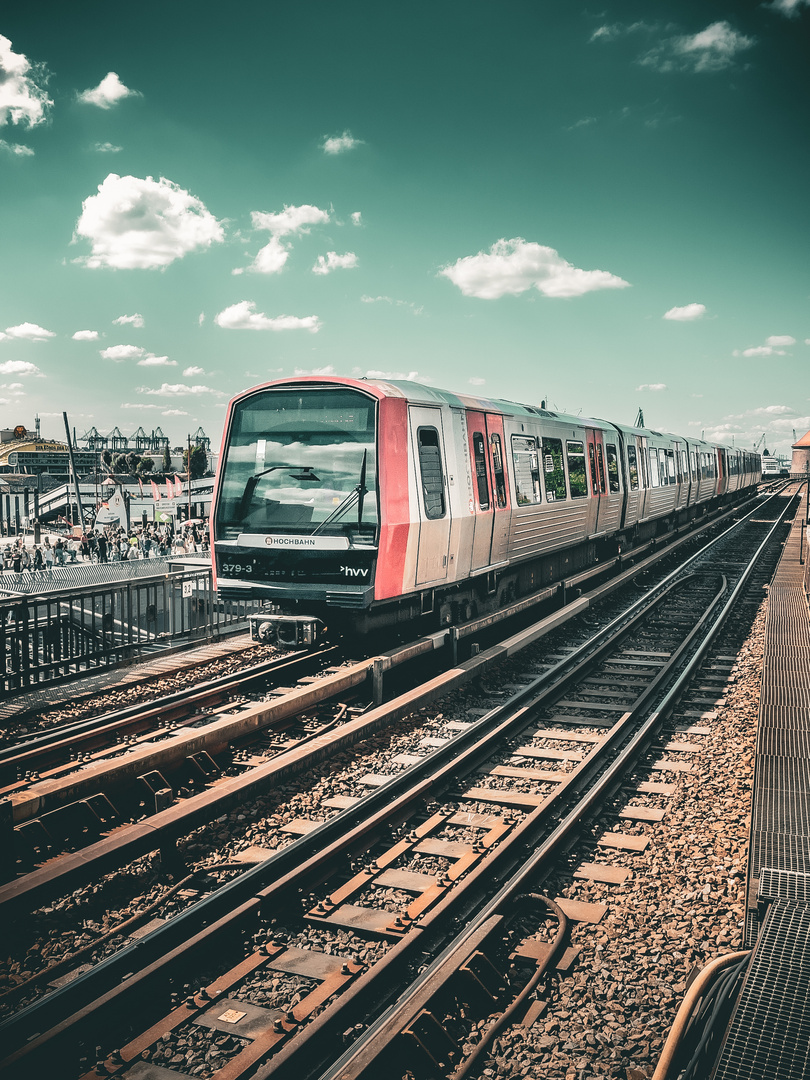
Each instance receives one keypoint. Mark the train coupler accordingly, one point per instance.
(287, 631)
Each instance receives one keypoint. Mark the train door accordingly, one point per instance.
(596, 467)
(722, 472)
(428, 449)
(485, 433)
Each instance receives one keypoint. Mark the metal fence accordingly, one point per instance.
(75, 575)
(48, 634)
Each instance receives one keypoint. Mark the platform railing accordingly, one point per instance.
(54, 633)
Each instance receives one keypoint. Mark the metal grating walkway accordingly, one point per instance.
(780, 820)
(769, 1034)
(768, 1037)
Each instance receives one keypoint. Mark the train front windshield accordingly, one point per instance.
(303, 462)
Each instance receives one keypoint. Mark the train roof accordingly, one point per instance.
(421, 393)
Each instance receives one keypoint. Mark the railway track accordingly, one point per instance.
(429, 864)
(65, 784)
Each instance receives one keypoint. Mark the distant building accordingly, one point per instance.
(22, 451)
(800, 464)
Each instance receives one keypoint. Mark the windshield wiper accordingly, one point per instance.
(357, 494)
(296, 472)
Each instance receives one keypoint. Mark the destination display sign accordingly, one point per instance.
(284, 542)
(301, 566)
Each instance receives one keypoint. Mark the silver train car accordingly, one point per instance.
(361, 504)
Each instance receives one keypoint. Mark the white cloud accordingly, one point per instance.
(357, 218)
(712, 49)
(150, 360)
(23, 99)
(775, 345)
(243, 316)
(801, 423)
(475, 381)
(758, 350)
(789, 8)
(19, 367)
(269, 260)
(122, 352)
(687, 313)
(27, 332)
(332, 261)
(86, 335)
(16, 149)
(513, 266)
(771, 410)
(191, 371)
(108, 92)
(652, 386)
(135, 223)
(291, 221)
(586, 121)
(397, 376)
(178, 390)
(328, 370)
(174, 412)
(129, 320)
(107, 148)
(339, 144)
(138, 405)
(390, 300)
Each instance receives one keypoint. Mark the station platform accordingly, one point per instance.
(768, 1035)
(149, 665)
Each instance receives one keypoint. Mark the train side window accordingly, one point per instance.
(685, 465)
(693, 460)
(612, 467)
(654, 467)
(644, 478)
(430, 466)
(632, 468)
(600, 461)
(480, 456)
(497, 468)
(527, 470)
(554, 470)
(577, 477)
(670, 459)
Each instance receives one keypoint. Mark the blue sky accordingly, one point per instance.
(603, 208)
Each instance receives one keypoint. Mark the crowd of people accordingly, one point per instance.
(111, 543)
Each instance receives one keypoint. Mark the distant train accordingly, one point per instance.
(361, 504)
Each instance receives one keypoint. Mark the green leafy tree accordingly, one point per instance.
(106, 457)
(167, 459)
(133, 461)
(120, 464)
(146, 465)
(199, 462)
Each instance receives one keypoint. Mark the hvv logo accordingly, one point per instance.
(354, 571)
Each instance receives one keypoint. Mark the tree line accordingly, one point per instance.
(135, 464)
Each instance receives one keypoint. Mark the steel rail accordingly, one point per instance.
(172, 931)
(363, 1055)
(305, 857)
(77, 732)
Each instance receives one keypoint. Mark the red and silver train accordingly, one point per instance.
(360, 504)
